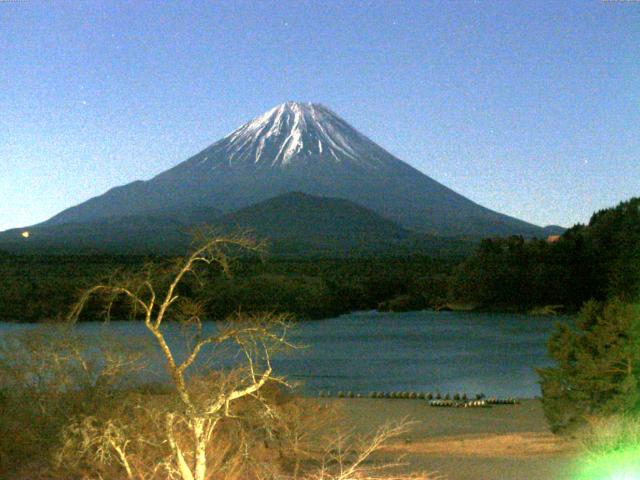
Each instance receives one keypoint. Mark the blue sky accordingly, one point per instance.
(529, 108)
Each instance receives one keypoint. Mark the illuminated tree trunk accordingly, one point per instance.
(200, 448)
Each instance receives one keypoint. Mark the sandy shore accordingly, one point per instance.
(504, 442)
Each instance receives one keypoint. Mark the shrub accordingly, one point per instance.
(596, 366)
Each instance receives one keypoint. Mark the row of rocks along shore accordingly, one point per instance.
(434, 399)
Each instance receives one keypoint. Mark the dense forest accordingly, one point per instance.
(593, 385)
(37, 288)
(594, 261)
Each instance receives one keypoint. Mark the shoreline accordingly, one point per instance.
(505, 442)
(533, 312)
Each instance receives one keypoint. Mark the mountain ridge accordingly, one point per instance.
(308, 148)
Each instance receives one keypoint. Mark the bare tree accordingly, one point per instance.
(186, 436)
(49, 376)
(346, 457)
(155, 295)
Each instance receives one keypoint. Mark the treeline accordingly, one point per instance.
(596, 372)
(40, 288)
(595, 261)
(43, 288)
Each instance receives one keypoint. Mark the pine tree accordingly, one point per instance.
(598, 365)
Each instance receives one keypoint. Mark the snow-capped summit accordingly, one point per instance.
(293, 132)
(301, 147)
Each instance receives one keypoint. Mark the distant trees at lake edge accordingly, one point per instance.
(594, 261)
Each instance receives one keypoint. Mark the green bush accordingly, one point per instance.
(597, 368)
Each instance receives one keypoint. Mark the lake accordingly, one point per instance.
(412, 351)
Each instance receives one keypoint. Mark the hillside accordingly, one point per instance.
(157, 232)
(295, 224)
(298, 215)
(305, 225)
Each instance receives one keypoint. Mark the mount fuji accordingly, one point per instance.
(299, 147)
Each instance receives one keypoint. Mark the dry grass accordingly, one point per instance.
(512, 445)
(603, 435)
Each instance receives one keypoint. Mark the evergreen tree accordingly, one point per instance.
(598, 365)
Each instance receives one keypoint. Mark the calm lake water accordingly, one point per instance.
(414, 351)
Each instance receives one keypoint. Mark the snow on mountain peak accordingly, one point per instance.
(300, 147)
(293, 132)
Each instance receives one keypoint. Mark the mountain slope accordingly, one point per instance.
(294, 223)
(131, 235)
(301, 224)
(301, 216)
(155, 232)
(306, 148)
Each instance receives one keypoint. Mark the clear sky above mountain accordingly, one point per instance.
(529, 108)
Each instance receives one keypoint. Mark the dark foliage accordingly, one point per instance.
(42, 288)
(598, 365)
(596, 261)
(37, 288)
